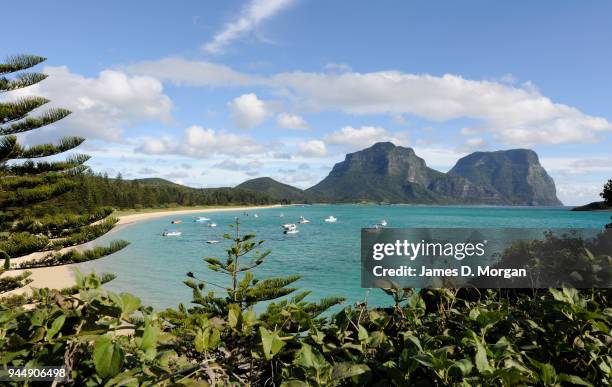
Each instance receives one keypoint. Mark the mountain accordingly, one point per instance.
(158, 182)
(515, 174)
(274, 189)
(388, 173)
(395, 174)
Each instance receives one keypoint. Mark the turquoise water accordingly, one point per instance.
(326, 255)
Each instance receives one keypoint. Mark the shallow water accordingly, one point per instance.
(326, 255)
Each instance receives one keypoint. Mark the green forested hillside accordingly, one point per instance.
(96, 190)
(274, 188)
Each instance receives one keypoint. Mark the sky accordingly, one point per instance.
(211, 93)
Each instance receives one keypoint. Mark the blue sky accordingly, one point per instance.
(213, 93)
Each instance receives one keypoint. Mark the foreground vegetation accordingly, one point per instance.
(428, 337)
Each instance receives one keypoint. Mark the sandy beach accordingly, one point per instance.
(58, 277)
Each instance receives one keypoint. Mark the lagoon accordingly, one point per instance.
(326, 255)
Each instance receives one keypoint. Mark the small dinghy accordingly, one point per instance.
(171, 233)
(383, 223)
(331, 219)
(290, 228)
(201, 219)
(177, 221)
(212, 224)
(255, 216)
(303, 220)
(212, 241)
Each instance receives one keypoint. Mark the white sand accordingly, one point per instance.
(58, 277)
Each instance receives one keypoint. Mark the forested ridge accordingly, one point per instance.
(95, 190)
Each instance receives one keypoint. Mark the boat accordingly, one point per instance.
(255, 216)
(212, 241)
(201, 219)
(171, 233)
(303, 220)
(290, 228)
(331, 219)
(177, 221)
(212, 224)
(383, 223)
(281, 215)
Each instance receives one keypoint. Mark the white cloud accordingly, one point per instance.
(475, 143)
(248, 111)
(312, 148)
(194, 73)
(358, 138)
(517, 115)
(232, 165)
(252, 14)
(291, 121)
(200, 143)
(102, 107)
(573, 194)
(578, 166)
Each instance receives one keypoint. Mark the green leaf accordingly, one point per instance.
(311, 359)
(363, 333)
(148, 342)
(482, 363)
(573, 379)
(464, 365)
(57, 324)
(107, 356)
(126, 302)
(346, 370)
(207, 339)
(270, 342)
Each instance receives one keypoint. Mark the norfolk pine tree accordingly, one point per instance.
(28, 181)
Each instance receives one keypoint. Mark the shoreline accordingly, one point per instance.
(58, 277)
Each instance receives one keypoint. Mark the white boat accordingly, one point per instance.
(171, 233)
(212, 224)
(255, 216)
(303, 220)
(290, 228)
(331, 219)
(383, 223)
(201, 219)
(212, 241)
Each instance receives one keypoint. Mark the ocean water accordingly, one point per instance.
(326, 255)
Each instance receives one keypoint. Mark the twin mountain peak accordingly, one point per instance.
(395, 174)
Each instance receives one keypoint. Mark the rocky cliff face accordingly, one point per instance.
(385, 172)
(388, 173)
(515, 174)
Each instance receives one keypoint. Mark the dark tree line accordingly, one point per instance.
(95, 190)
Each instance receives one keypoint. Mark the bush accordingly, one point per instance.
(606, 194)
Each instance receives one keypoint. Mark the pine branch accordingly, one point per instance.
(8, 283)
(30, 123)
(7, 147)
(23, 197)
(34, 168)
(17, 110)
(75, 256)
(21, 81)
(20, 62)
(45, 150)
